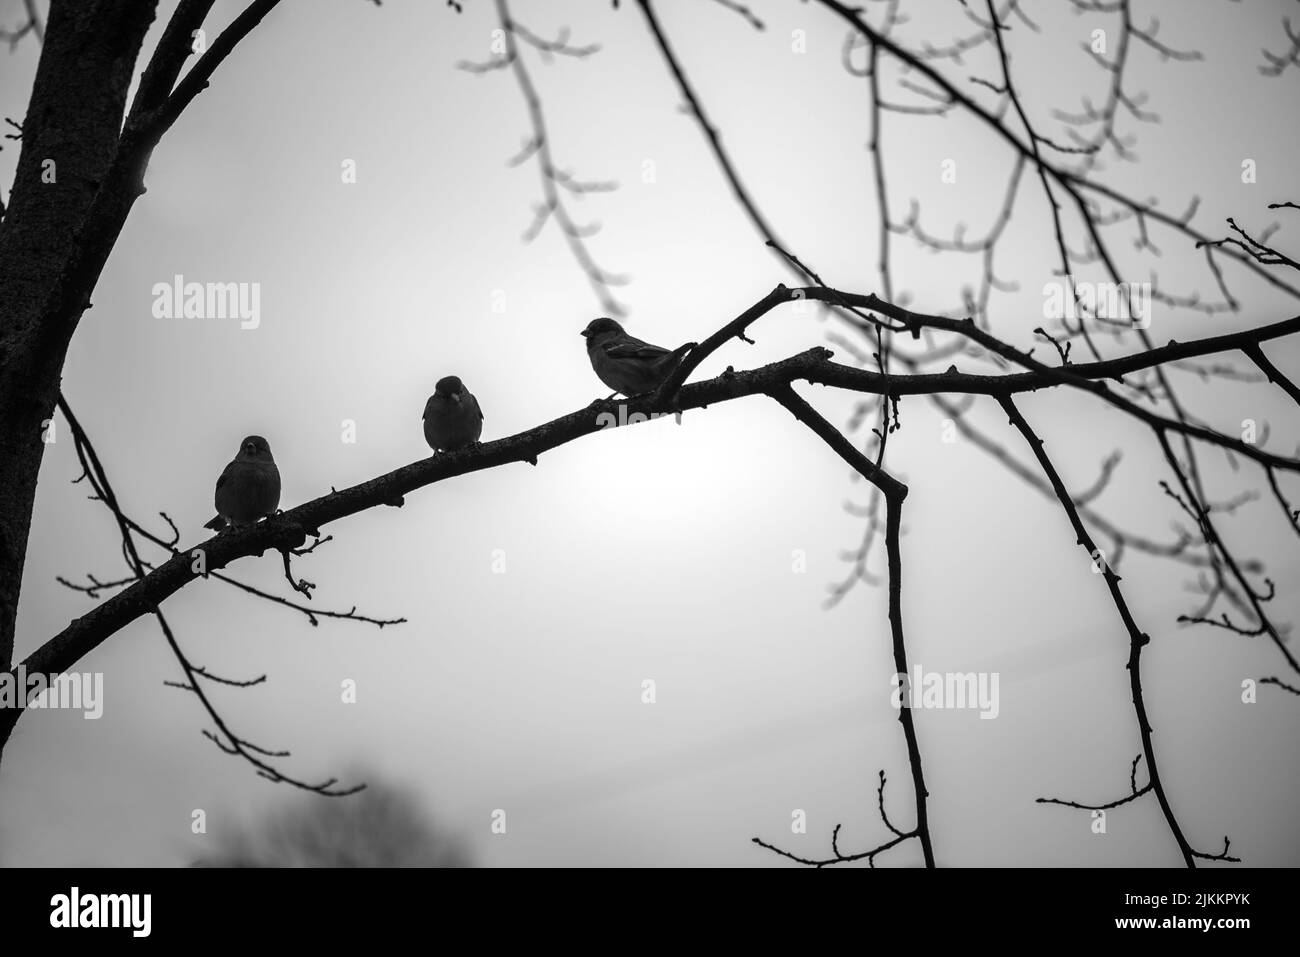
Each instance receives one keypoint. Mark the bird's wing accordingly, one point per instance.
(630, 348)
(225, 474)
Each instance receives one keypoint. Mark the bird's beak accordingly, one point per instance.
(583, 333)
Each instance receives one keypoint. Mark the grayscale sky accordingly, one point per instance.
(539, 599)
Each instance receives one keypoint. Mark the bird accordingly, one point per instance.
(452, 418)
(625, 363)
(249, 487)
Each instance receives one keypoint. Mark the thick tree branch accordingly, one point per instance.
(123, 182)
(291, 529)
(1274, 374)
(156, 123)
(174, 48)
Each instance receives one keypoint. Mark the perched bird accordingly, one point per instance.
(625, 363)
(452, 418)
(249, 487)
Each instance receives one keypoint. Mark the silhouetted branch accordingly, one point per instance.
(1089, 199)
(744, 11)
(31, 25)
(1271, 372)
(738, 188)
(1256, 249)
(895, 492)
(1201, 515)
(149, 119)
(299, 584)
(1120, 538)
(1075, 185)
(1273, 680)
(538, 146)
(291, 529)
(1275, 64)
(838, 856)
(1137, 638)
(1134, 793)
(93, 472)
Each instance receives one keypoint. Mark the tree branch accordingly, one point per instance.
(1137, 638)
(290, 529)
(895, 492)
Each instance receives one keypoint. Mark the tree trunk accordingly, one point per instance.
(69, 139)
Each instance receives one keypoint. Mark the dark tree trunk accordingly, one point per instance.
(69, 139)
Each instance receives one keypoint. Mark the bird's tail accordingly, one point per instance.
(671, 360)
(666, 363)
(216, 524)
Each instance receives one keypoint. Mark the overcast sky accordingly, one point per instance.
(540, 599)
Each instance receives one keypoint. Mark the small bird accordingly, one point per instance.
(452, 418)
(625, 363)
(249, 487)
